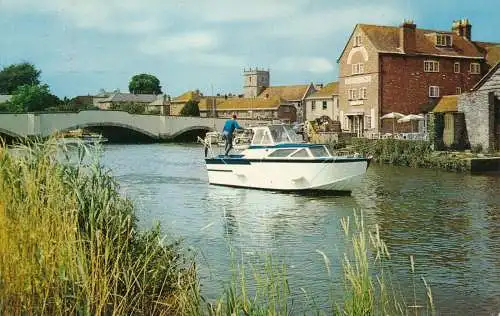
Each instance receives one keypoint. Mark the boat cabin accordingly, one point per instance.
(281, 141)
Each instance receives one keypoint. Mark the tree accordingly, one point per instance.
(16, 75)
(32, 98)
(190, 108)
(144, 84)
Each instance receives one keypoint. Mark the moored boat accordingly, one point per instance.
(278, 159)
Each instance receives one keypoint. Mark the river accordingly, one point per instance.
(449, 222)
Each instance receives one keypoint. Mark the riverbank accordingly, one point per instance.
(419, 154)
(69, 243)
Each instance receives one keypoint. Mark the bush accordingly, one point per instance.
(190, 109)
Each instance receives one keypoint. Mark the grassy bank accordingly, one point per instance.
(69, 244)
(408, 153)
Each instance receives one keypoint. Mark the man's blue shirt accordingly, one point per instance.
(230, 126)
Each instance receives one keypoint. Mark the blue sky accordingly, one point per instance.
(82, 46)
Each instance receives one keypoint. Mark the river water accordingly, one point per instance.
(449, 222)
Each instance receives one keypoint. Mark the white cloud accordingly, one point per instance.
(197, 41)
(324, 24)
(310, 64)
(215, 60)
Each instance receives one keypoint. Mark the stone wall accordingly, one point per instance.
(478, 118)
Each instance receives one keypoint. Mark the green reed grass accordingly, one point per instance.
(69, 242)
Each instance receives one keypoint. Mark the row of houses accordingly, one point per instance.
(382, 69)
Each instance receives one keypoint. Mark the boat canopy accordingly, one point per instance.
(275, 134)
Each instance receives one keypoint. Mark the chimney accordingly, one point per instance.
(407, 36)
(462, 28)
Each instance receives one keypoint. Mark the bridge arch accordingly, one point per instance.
(111, 124)
(9, 133)
(191, 132)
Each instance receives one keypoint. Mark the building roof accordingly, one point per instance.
(245, 104)
(486, 77)
(129, 97)
(5, 97)
(447, 103)
(386, 39)
(187, 96)
(493, 54)
(327, 91)
(292, 92)
(160, 100)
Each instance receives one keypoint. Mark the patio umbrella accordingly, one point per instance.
(411, 117)
(393, 116)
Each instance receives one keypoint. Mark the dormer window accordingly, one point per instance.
(444, 40)
(357, 40)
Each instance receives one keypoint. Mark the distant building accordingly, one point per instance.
(385, 69)
(324, 102)
(254, 82)
(250, 108)
(177, 103)
(122, 98)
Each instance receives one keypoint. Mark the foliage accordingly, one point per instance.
(16, 75)
(190, 109)
(144, 84)
(130, 107)
(69, 242)
(31, 98)
(409, 153)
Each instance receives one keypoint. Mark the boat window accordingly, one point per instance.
(319, 151)
(301, 153)
(281, 152)
(266, 139)
(257, 138)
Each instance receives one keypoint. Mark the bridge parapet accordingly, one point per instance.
(155, 126)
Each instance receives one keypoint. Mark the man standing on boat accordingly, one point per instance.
(227, 132)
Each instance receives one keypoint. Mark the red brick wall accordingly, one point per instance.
(405, 85)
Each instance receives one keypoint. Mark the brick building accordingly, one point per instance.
(404, 69)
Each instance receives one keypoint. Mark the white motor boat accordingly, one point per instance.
(278, 159)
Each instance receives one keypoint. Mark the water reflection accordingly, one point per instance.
(449, 222)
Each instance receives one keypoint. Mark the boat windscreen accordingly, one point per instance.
(284, 134)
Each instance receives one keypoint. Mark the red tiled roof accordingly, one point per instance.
(327, 91)
(293, 92)
(386, 39)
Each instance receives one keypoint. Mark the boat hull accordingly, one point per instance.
(288, 175)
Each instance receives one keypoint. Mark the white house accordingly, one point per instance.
(324, 102)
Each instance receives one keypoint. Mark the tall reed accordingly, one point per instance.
(69, 242)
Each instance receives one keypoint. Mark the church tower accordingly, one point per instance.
(254, 81)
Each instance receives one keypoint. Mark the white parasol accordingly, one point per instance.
(394, 116)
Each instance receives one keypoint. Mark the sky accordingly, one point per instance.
(82, 46)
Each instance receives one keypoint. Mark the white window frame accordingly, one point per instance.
(444, 40)
(456, 67)
(362, 94)
(458, 90)
(475, 68)
(434, 92)
(352, 94)
(313, 105)
(358, 68)
(431, 66)
(357, 40)
(324, 105)
(368, 122)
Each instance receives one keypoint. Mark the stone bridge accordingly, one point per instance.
(152, 126)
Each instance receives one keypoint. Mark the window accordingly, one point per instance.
(368, 122)
(319, 151)
(358, 68)
(313, 105)
(475, 68)
(443, 40)
(301, 153)
(458, 90)
(352, 94)
(362, 94)
(434, 91)
(357, 40)
(431, 66)
(325, 105)
(281, 152)
(456, 68)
